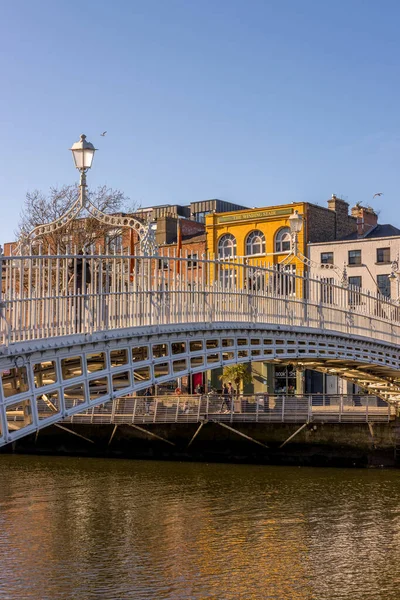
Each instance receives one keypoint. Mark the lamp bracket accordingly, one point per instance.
(144, 231)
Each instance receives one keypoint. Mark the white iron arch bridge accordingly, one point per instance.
(77, 331)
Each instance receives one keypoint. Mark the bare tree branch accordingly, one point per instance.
(40, 209)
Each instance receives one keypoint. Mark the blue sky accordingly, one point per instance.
(253, 101)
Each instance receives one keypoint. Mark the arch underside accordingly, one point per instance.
(136, 358)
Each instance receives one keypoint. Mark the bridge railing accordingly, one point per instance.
(258, 408)
(55, 295)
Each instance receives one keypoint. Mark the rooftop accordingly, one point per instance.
(379, 231)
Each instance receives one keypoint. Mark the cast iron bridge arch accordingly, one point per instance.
(68, 346)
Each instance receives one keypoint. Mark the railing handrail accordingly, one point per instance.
(248, 408)
(50, 295)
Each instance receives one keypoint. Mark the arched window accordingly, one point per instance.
(227, 246)
(255, 242)
(283, 240)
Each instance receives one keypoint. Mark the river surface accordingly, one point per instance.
(120, 529)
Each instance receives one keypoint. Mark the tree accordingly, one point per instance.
(85, 231)
(239, 374)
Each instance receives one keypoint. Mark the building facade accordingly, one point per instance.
(366, 255)
(262, 237)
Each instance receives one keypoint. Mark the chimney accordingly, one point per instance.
(344, 224)
(366, 217)
(339, 206)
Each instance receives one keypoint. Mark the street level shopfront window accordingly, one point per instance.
(227, 246)
(285, 379)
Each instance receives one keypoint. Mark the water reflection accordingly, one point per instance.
(81, 528)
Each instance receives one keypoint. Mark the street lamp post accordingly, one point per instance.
(83, 153)
(394, 276)
(296, 225)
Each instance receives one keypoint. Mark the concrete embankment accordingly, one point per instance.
(325, 444)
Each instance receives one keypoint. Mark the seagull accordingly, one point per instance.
(104, 133)
(377, 194)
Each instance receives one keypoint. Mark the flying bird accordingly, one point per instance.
(104, 133)
(377, 194)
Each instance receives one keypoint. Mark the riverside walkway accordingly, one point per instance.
(260, 408)
(79, 331)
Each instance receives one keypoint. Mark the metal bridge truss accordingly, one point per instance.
(48, 385)
(69, 344)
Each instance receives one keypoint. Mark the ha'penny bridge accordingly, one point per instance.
(81, 334)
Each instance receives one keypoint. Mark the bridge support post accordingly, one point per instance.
(112, 435)
(196, 433)
(151, 434)
(134, 410)
(73, 432)
(294, 434)
(247, 437)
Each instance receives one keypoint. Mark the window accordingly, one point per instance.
(163, 264)
(327, 290)
(227, 278)
(354, 295)
(283, 240)
(327, 258)
(355, 257)
(255, 279)
(284, 280)
(355, 281)
(227, 246)
(255, 243)
(383, 255)
(192, 262)
(383, 282)
(114, 241)
(200, 217)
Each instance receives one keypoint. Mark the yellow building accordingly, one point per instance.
(247, 239)
(257, 237)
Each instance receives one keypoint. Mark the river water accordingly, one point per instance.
(119, 529)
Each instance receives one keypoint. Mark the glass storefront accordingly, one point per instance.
(285, 379)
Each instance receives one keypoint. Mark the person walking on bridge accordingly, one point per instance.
(225, 399)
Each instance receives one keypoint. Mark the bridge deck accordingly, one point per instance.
(70, 343)
(274, 409)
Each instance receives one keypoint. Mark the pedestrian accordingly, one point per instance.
(225, 398)
(147, 401)
(81, 278)
(231, 392)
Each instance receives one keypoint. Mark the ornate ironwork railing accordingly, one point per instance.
(51, 295)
